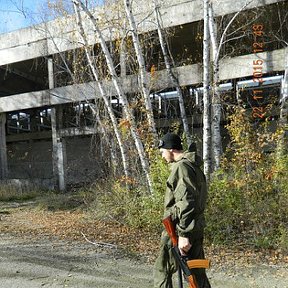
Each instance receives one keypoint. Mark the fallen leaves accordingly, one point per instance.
(71, 225)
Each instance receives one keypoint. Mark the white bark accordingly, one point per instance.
(216, 97)
(142, 70)
(121, 94)
(103, 94)
(123, 52)
(284, 108)
(206, 94)
(284, 87)
(172, 76)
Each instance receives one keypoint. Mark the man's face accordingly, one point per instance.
(167, 154)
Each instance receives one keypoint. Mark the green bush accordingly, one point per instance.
(128, 202)
(248, 197)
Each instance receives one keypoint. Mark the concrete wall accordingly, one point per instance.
(83, 162)
(33, 160)
(29, 160)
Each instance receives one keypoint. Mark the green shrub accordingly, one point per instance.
(248, 197)
(127, 201)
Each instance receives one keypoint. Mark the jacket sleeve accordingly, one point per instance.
(185, 194)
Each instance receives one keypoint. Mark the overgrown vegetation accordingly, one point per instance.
(248, 197)
(130, 203)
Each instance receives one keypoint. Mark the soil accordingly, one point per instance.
(59, 249)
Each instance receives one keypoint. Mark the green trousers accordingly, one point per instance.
(165, 265)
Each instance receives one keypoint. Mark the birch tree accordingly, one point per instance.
(128, 113)
(206, 93)
(216, 45)
(142, 69)
(284, 106)
(102, 92)
(284, 89)
(216, 98)
(170, 72)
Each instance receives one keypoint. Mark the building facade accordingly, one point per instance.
(47, 129)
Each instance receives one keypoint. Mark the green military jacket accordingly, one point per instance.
(186, 194)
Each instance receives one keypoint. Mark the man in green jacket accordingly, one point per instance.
(185, 201)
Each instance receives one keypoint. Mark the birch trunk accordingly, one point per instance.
(284, 91)
(282, 149)
(216, 96)
(123, 52)
(216, 99)
(121, 94)
(103, 94)
(206, 94)
(171, 75)
(142, 70)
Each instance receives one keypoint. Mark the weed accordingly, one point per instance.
(12, 193)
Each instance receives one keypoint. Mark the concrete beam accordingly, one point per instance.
(67, 132)
(189, 75)
(72, 132)
(60, 35)
(29, 136)
(242, 66)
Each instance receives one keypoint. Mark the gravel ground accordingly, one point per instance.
(57, 263)
(27, 261)
(62, 264)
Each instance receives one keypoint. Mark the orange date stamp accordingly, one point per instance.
(257, 65)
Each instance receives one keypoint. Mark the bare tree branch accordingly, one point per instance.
(100, 244)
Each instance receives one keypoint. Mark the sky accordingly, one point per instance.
(16, 14)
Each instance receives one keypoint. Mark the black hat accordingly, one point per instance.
(170, 141)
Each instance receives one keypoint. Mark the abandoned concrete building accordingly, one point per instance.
(46, 128)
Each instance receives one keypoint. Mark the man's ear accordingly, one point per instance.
(172, 151)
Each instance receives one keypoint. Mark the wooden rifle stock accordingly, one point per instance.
(185, 265)
(169, 226)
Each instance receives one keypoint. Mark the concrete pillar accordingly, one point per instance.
(3, 150)
(58, 143)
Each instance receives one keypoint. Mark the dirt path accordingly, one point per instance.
(63, 264)
(46, 261)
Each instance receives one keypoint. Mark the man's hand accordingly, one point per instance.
(184, 245)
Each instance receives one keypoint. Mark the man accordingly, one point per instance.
(185, 201)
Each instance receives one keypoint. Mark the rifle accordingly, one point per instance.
(184, 265)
